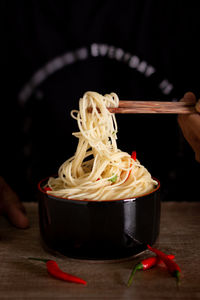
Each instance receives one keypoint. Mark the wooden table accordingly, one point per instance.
(24, 279)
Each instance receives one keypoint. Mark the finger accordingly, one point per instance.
(16, 215)
(189, 97)
(197, 106)
(11, 206)
(197, 157)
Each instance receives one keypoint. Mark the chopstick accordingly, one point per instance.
(152, 107)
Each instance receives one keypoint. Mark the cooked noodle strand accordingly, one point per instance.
(99, 170)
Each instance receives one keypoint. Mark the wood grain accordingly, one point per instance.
(23, 279)
(152, 107)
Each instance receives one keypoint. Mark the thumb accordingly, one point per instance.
(11, 206)
(190, 97)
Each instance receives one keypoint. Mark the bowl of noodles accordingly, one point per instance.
(103, 204)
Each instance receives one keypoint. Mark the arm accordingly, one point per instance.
(11, 206)
(190, 125)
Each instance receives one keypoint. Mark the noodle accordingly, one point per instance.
(99, 170)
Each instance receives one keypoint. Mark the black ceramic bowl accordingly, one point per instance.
(99, 229)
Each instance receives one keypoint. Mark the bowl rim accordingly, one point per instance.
(96, 201)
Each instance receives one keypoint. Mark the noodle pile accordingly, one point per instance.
(99, 170)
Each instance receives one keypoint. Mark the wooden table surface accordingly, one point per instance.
(24, 279)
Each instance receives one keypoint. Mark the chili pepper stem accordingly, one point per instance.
(39, 259)
(177, 275)
(172, 266)
(137, 267)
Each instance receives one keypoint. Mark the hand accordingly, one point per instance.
(11, 206)
(190, 125)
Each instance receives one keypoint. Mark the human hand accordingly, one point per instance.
(190, 125)
(11, 206)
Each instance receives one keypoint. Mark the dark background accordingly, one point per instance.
(36, 133)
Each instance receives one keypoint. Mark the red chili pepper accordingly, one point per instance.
(54, 270)
(160, 262)
(133, 156)
(47, 188)
(146, 264)
(172, 266)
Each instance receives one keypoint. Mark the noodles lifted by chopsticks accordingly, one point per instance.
(99, 170)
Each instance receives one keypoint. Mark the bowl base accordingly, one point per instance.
(94, 254)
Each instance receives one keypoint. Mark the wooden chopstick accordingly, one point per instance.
(151, 107)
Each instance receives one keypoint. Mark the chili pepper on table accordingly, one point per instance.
(171, 265)
(54, 270)
(146, 264)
